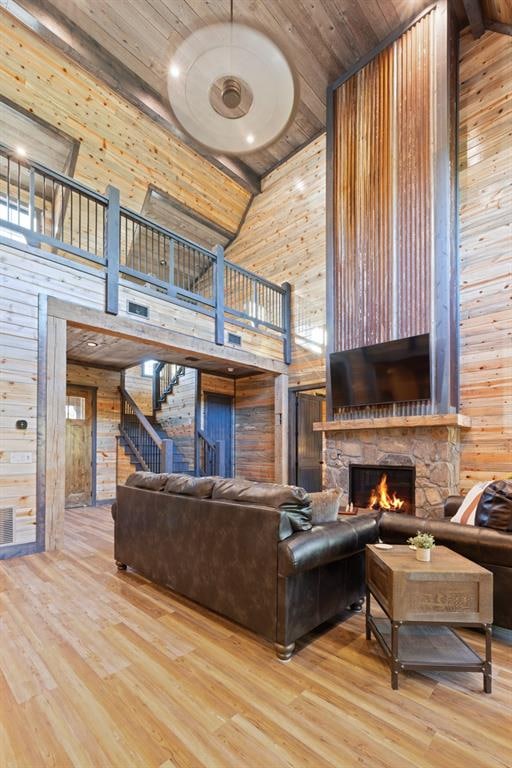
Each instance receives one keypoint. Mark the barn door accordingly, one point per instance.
(80, 448)
(219, 426)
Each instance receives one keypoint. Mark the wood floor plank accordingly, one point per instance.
(100, 669)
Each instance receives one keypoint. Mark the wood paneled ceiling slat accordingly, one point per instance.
(322, 39)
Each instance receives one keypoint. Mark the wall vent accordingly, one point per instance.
(137, 309)
(234, 338)
(6, 525)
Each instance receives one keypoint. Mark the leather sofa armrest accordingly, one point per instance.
(326, 543)
(482, 545)
(452, 504)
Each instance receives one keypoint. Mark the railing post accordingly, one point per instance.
(220, 458)
(219, 294)
(287, 323)
(166, 456)
(111, 249)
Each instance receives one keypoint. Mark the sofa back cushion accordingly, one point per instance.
(149, 481)
(495, 506)
(290, 499)
(199, 487)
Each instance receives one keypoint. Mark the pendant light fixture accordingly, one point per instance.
(231, 88)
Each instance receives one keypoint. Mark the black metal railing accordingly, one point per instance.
(211, 455)
(165, 377)
(54, 213)
(152, 452)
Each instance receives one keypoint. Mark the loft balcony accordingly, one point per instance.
(139, 261)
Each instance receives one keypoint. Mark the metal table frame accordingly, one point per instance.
(397, 665)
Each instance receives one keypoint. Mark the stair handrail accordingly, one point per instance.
(159, 394)
(142, 419)
(164, 446)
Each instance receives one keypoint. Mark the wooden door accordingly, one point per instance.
(219, 426)
(306, 451)
(80, 449)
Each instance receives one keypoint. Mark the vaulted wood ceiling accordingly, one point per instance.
(135, 40)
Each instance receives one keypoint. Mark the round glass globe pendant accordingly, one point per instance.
(231, 88)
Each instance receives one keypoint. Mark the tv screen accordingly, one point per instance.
(396, 371)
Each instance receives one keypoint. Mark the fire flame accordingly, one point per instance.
(380, 498)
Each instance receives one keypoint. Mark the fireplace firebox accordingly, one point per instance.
(383, 486)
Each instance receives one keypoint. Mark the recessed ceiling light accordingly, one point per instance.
(92, 344)
(230, 370)
(21, 151)
(174, 71)
(250, 138)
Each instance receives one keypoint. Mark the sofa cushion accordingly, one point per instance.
(199, 487)
(294, 501)
(325, 506)
(482, 545)
(326, 543)
(494, 509)
(150, 481)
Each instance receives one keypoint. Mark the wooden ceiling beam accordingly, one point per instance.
(475, 17)
(57, 30)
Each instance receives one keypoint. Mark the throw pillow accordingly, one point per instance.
(325, 506)
(494, 509)
(466, 513)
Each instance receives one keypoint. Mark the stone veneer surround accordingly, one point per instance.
(434, 450)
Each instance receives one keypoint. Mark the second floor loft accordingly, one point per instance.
(50, 215)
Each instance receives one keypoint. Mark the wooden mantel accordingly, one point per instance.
(398, 422)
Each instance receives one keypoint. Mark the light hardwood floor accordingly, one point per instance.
(103, 669)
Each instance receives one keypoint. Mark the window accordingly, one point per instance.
(148, 366)
(16, 215)
(75, 408)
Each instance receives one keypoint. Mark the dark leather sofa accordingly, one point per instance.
(241, 559)
(490, 548)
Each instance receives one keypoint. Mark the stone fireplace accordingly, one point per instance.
(428, 445)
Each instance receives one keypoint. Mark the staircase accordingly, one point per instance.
(144, 441)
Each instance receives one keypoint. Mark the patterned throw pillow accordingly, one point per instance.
(466, 513)
(325, 506)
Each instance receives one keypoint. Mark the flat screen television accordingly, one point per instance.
(396, 371)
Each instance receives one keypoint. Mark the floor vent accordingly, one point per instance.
(234, 338)
(6, 525)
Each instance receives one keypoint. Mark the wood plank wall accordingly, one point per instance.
(177, 416)
(283, 239)
(118, 144)
(382, 189)
(254, 427)
(485, 197)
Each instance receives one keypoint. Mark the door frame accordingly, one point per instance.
(207, 392)
(94, 400)
(292, 427)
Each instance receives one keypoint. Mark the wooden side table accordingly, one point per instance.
(424, 603)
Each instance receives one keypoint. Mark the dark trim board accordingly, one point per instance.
(18, 550)
(42, 367)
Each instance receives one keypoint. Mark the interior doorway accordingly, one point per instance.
(219, 425)
(306, 407)
(80, 481)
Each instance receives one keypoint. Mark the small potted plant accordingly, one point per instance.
(423, 543)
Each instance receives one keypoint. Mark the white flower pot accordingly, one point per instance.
(423, 555)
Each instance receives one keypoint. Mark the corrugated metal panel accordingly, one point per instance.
(383, 194)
